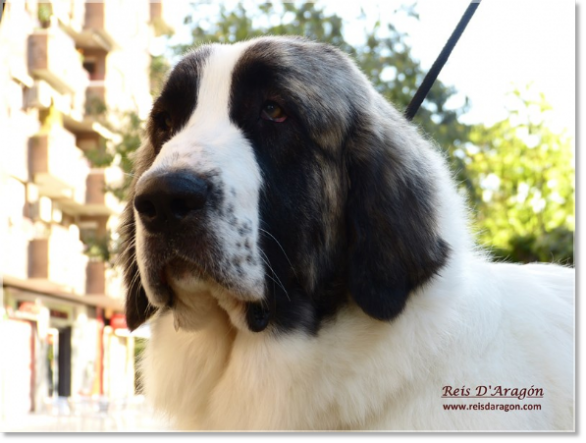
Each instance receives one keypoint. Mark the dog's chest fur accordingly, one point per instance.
(364, 374)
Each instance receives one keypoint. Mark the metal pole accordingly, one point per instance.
(440, 61)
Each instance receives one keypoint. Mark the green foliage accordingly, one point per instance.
(130, 129)
(44, 13)
(100, 157)
(132, 133)
(161, 28)
(523, 181)
(158, 72)
(139, 348)
(97, 247)
(95, 106)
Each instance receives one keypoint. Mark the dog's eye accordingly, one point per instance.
(273, 112)
(164, 121)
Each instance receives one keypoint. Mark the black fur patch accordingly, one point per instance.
(394, 247)
(178, 98)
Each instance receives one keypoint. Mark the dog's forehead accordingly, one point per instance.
(201, 82)
(214, 78)
(212, 68)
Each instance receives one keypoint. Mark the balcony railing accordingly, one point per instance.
(42, 95)
(99, 30)
(52, 57)
(103, 280)
(59, 259)
(57, 166)
(98, 201)
(96, 278)
(71, 14)
(14, 244)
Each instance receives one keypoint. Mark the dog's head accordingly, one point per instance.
(278, 183)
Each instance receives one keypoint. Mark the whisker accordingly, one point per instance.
(278, 281)
(133, 282)
(280, 246)
(135, 286)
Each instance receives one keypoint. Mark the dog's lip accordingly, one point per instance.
(184, 274)
(159, 293)
(186, 265)
(170, 263)
(196, 272)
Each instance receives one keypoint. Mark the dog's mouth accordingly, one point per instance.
(197, 299)
(178, 274)
(179, 270)
(189, 293)
(196, 290)
(189, 265)
(166, 273)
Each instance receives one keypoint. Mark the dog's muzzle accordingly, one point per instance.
(174, 203)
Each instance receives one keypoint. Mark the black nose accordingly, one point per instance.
(164, 201)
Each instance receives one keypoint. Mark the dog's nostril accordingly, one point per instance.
(145, 207)
(180, 207)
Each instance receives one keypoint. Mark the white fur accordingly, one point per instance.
(495, 324)
(477, 323)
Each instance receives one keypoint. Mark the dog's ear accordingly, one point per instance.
(391, 214)
(137, 307)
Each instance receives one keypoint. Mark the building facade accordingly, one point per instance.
(69, 70)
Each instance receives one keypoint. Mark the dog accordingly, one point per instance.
(303, 257)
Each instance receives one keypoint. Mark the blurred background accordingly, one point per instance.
(77, 80)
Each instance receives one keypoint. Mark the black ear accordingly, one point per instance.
(138, 308)
(391, 215)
